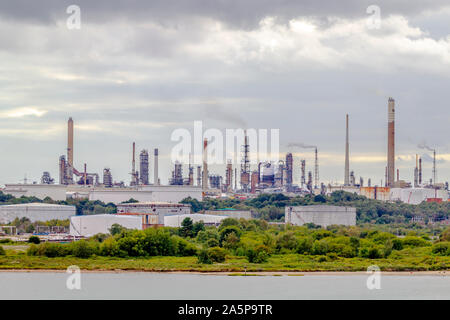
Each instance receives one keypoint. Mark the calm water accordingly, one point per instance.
(37, 285)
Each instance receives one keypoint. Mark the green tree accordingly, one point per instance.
(187, 227)
(116, 229)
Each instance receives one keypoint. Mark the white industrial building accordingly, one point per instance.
(89, 225)
(231, 213)
(160, 209)
(417, 195)
(176, 220)
(173, 194)
(35, 212)
(321, 215)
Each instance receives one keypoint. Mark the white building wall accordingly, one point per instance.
(158, 209)
(41, 191)
(417, 195)
(172, 194)
(236, 214)
(90, 225)
(176, 220)
(36, 212)
(320, 215)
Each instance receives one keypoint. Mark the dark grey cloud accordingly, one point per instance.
(237, 13)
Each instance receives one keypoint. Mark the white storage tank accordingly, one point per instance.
(321, 215)
(89, 225)
(176, 220)
(35, 211)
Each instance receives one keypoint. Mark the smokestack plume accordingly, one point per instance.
(155, 169)
(347, 156)
(391, 143)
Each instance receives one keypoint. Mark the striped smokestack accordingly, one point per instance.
(391, 143)
(155, 168)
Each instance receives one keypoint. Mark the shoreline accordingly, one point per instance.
(243, 273)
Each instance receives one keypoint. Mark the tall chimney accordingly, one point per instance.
(316, 170)
(391, 143)
(205, 165)
(347, 160)
(155, 169)
(70, 149)
(434, 167)
(133, 167)
(420, 171)
(416, 172)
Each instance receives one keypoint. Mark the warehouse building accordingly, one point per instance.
(231, 213)
(321, 215)
(89, 225)
(150, 209)
(173, 194)
(35, 212)
(208, 219)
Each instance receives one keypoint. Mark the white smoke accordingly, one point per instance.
(300, 145)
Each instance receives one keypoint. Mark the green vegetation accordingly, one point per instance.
(34, 239)
(270, 207)
(239, 245)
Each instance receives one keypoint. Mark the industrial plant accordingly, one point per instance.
(243, 180)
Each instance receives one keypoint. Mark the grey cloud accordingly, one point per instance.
(240, 14)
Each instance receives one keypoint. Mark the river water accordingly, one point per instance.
(141, 285)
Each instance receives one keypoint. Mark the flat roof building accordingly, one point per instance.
(321, 215)
(35, 211)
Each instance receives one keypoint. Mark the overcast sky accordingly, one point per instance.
(137, 70)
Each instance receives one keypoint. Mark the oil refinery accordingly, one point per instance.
(264, 177)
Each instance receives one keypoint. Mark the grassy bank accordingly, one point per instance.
(418, 259)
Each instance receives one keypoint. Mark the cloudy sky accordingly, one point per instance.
(138, 70)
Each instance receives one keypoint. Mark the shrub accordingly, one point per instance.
(52, 250)
(34, 239)
(185, 248)
(411, 241)
(212, 243)
(33, 250)
(208, 256)
(304, 245)
(259, 254)
(205, 235)
(286, 240)
(83, 249)
(203, 257)
(397, 244)
(441, 248)
(228, 230)
(2, 251)
(217, 254)
(7, 240)
(331, 256)
(100, 237)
